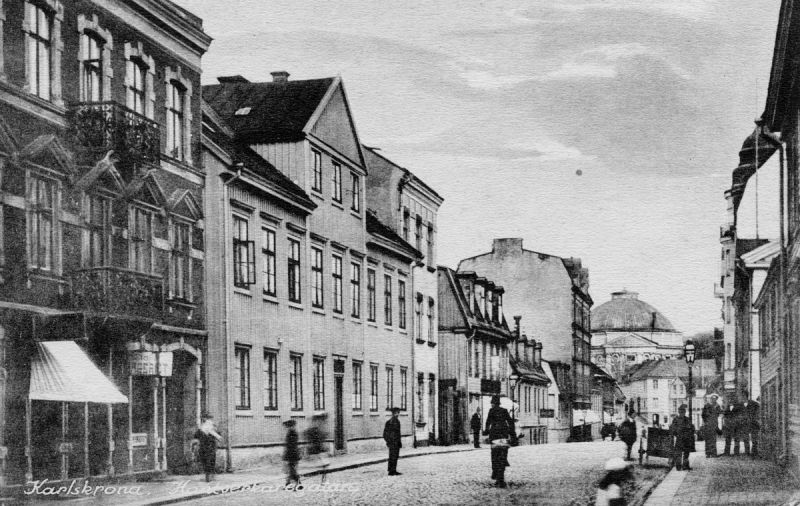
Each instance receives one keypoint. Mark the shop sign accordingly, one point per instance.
(142, 363)
(165, 363)
(547, 413)
(138, 439)
(64, 447)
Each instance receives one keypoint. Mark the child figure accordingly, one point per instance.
(609, 491)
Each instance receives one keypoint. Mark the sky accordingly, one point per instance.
(498, 104)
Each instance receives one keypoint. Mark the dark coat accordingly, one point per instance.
(627, 432)
(291, 452)
(710, 415)
(682, 433)
(732, 419)
(207, 450)
(315, 437)
(750, 417)
(475, 423)
(499, 424)
(391, 433)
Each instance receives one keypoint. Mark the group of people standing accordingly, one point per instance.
(739, 425)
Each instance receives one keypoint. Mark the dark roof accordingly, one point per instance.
(252, 161)
(278, 111)
(745, 246)
(529, 370)
(376, 226)
(625, 312)
(704, 370)
(407, 172)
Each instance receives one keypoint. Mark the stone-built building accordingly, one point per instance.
(313, 310)
(474, 341)
(102, 318)
(627, 331)
(409, 206)
(552, 296)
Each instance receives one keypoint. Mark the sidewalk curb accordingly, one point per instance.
(345, 467)
(667, 489)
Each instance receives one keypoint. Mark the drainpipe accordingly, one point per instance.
(229, 415)
(776, 141)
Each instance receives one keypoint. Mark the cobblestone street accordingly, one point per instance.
(547, 474)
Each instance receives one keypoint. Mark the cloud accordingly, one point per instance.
(546, 149)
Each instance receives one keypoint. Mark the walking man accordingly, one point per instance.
(475, 425)
(710, 414)
(682, 434)
(500, 429)
(207, 437)
(627, 433)
(731, 429)
(393, 438)
(291, 453)
(750, 427)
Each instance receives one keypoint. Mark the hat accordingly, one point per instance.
(616, 464)
(496, 399)
(289, 423)
(682, 407)
(395, 409)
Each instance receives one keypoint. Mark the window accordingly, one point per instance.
(317, 295)
(373, 387)
(293, 261)
(270, 380)
(357, 386)
(430, 244)
(98, 218)
(176, 96)
(242, 388)
(655, 383)
(296, 383)
(418, 314)
(42, 197)
(420, 397)
(268, 250)
(631, 358)
(181, 260)
(356, 193)
(389, 387)
(406, 218)
(371, 300)
(431, 320)
(355, 290)
(401, 303)
(403, 388)
(387, 299)
(477, 368)
(418, 233)
(655, 404)
(337, 182)
(319, 384)
(135, 91)
(142, 240)
(91, 67)
(244, 268)
(39, 25)
(317, 185)
(336, 275)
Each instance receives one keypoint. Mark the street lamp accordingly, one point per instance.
(513, 378)
(688, 354)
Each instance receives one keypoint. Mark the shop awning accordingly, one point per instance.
(581, 416)
(61, 371)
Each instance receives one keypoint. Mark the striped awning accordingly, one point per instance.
(61, 371)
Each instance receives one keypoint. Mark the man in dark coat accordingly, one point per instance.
(682, 434)
(750, 427)
(710, 415)
(207, 438)
(394, 441)
(291, 453)
(475, 425)
(627, 433)
(731, 426)
(500, 429)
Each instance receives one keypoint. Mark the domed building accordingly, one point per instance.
(627, 331)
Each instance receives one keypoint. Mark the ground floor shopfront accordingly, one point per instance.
(95, 396)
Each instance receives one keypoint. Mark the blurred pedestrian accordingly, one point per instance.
(207, 438)
(500, 429)
(291, 453)
(710, 416)
(681, 433)
(394, 440)
(315, 436)
(751, 427)
(731, 426)
(475, 425)
(627, 433)
(609, 490)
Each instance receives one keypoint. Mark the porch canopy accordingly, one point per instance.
(588, 416)
(61, 371)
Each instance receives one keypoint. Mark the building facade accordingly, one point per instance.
(529, 382)
(474, 343)
(101, 238)
(326, 296)
(408, 205)
(552, 296)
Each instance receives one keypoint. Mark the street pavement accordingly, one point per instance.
(540, 474)
(726, 480)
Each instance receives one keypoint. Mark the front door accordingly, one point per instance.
(338, 434)
(180, 412)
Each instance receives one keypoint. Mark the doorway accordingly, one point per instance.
(338, 417)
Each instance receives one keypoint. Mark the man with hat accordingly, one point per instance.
(682, 434)
(500, 429)
(207, 438)
(394, 440)
(710, 415)
(291, 453)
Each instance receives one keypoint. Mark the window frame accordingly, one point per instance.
(181, 261)
(294, 264)
(389, 387)
(402, 315)
(269, 252)
(319, 384)
(404, 388)
(355, 290)
(387, 300)
(39, 49)
(373, 387)
(372, 300)
(175, 119)
(43, 247)
(336, 182)
(91, 66)
(336, 280)
(316, 182)
(135, 97)
(98, 235)
(355, 183)
(270, 375)
(141, 244)
(317, 277)
(242, 385)
(357, 386)
(296, 382)
(244, 253)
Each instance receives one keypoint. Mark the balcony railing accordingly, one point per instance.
(111, 290)
(102, 126)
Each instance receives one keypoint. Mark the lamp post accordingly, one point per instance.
(688, 354)
(514, 379)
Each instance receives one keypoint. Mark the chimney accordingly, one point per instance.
(537, 353)
(232, 79)
(508, 246)
(517, 335)
(280, 76)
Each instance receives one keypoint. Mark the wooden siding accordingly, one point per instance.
(335, 128)
(453, 357)
(450, 314)
(287, 157)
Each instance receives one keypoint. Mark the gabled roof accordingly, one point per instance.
(744, 246)
(761, 255)
(463, 307)
(529, 371)
(704, 370)
(631, 340)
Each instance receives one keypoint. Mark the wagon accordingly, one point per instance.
(659, 444)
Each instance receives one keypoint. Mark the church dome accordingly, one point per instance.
(625, 312)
